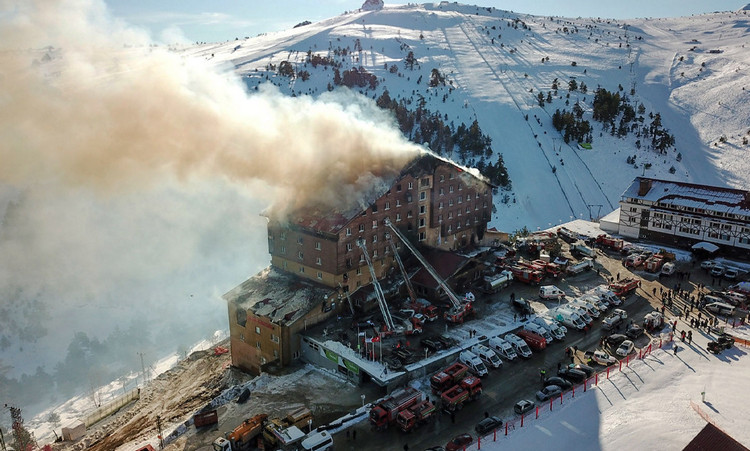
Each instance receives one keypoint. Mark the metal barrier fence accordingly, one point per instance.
(547, 408)
(112, 407)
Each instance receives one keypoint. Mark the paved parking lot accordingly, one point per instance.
(520, 379)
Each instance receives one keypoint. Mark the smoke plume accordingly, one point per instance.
(131, 177)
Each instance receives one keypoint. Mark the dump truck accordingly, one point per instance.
(205, 418)
(443, 380)
(468, 389)
(567, 235)
(581, 266)
(607, 241)
(495, 282)
(416, 415)
(625, 287)
(244, 437)
(386, 411)
(279, 434)
(580, 248)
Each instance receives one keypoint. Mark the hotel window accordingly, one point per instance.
(422, 209)
(301, 269)
(317, 245)
(283, 250)
(425, 182)
(320, 275)
(318, 261)
(387, 206)
(374, 208)
(301, 255)
(441, 191)
(411, 185)
(421, 222)
(257, 329)
(409, 214)
(361, 227)
(348, 247)
(442, 178)
(398, 217)
(450, 189)
(375, 224)
(398, 203)
(422, 236)
(300, 240)
(460, 199)
(348, 231)
(374, 239)
(422, 195)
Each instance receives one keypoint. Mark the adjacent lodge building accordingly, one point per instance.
(682, 214)
(318, 266)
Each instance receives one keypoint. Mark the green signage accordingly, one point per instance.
(352, 367)
(332, 356)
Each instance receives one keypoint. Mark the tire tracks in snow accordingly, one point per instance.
(518, 106)
(585, 166)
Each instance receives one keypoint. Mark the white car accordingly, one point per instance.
(626, 347)
(708, 264)
(602, 358)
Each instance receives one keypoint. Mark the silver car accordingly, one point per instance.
(548, 392)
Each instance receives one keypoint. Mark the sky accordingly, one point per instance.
(170, 21)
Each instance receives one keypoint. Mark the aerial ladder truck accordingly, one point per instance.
(459, 310)
(419, 305)
(389, 326)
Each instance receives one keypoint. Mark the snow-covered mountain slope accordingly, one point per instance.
(692, 71)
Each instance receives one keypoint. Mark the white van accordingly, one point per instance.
(487, 356)
(582, 311)
(590, 308)
(319, 441)
(539, 330)
(569, 318)
(474, 363)
(551, 292)
(720, 308)
(519, 345)
(557, 331)
(503, 348)
(608, 295)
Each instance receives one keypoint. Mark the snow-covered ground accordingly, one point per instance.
(162, 255)
(654, 403)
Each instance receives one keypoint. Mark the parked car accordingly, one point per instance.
(585, 369)
(614, 340)
(626, 347)
(602, 358)
(573, 375)
(431, 344)
(488, 424)
(634, 331)
(708, 264)
(459, 442)
(717, 271)
(559, 381)
(548, 392)
(523, 406)
(731, 273)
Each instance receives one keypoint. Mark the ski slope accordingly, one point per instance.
(497, 70)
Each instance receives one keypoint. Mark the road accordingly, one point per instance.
(520, 379)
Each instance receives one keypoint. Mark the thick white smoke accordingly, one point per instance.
(133, 177)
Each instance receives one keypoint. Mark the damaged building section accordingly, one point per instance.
(266, 314)
(334, 280)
